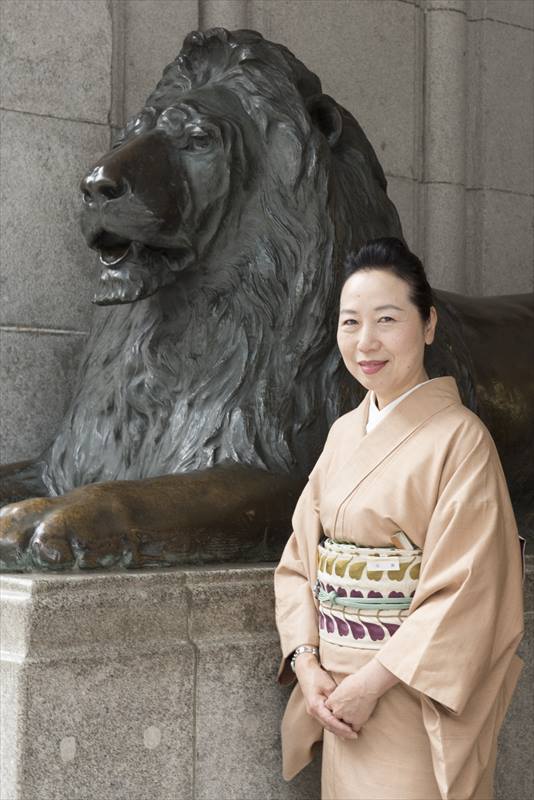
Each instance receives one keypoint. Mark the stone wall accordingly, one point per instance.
(441, 87)
(162, 686)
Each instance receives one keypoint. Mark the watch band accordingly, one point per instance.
(303, 648)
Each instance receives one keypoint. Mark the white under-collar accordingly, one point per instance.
(378, 414)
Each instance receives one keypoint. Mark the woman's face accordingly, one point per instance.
(381, 335)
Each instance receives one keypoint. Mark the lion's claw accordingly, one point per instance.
(58, 533)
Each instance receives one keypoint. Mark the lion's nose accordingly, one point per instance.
(99, 186)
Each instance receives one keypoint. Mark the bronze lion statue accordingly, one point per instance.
(223, 215)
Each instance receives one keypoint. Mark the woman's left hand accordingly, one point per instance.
(355, 698)
(353, 701)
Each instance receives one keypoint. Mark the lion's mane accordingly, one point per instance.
(237, 360)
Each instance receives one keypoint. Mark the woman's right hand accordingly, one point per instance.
(316, 685)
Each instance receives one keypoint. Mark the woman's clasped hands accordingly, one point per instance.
(341, 708)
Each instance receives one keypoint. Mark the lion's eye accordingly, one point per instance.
(198, 142)
(118, 138)
(135, 126)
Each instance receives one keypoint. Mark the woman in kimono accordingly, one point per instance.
(410, 708)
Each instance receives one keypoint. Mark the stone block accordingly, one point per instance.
(444, 249)
(499, 227)
(505, 140)
(230, 14)
(37, 373)
(105, 703)
(445, 96)
(153, 35)
(445, 5)
(474, 231)
(239, 708)
(515, 12)
(364, 54)
(230, 601)
(239, 703)
(404, 194)
(11, 689)
(56, 58)
(49, 274)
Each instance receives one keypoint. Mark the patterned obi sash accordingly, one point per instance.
(364, 593)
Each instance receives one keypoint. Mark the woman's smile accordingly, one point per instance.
(370, 367)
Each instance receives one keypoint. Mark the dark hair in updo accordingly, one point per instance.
(392, 254)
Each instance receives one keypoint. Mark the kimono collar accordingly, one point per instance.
(376, 414)
(357, 454)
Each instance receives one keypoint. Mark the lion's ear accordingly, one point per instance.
(326, 116)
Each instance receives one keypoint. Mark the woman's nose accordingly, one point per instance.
(367, 339)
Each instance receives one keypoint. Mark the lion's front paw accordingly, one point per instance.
(61, 533)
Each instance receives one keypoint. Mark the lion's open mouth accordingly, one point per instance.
(112, 248)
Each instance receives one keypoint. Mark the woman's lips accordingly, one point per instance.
(370, 367)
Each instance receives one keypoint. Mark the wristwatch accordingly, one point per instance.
(304, 648)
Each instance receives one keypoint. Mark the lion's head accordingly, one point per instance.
(235, 146)
(222, 216)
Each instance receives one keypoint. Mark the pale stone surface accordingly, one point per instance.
(444, 244)
(37, 371)
(115, 683)
(49, 274)
(230, 14)
(56, 58)
(11, 689)
(501, 241)
(506, 143)
(404, 194)
(445, 96)
(474, 231)
(105, 705)
(445, 5)
(364, 54)
(154, 32)
(515, 12)
(239, 708)
(474, 117)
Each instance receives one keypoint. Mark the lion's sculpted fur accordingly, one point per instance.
(234, 359)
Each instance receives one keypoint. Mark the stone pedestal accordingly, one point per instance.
(142, 686)
(162, 684)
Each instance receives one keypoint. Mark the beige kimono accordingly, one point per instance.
(429, 468)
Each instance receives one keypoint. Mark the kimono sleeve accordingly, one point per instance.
(295, 605)
(467, 615)
(296, 612)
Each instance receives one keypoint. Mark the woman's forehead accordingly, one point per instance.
(375, 286)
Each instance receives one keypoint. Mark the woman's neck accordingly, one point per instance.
(382, 400)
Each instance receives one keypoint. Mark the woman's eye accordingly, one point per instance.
(350, 322)
(386, 319)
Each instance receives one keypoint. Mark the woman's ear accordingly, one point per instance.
(325, 115)
(430, 325)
